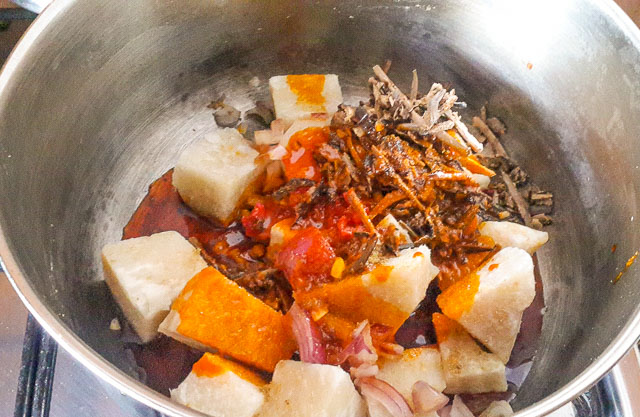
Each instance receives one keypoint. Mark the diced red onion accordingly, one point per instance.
(392, 348)
(319, 116)
(377, 392)
(477, 403)
(426, 399)
(363, 371)
(277, 153)
(360, 350)
(266, 137)
(445, 411)
(278, 127)
(498, 409)
(307, 335)
(459, 409)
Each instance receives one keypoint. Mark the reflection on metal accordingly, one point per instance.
(626, 384)
(616, 395)
(35, 382)
(568, 410)
(35, 6)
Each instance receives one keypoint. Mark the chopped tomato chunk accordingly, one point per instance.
(339, 222)
(299, 162)
(264, 215)
(306, 259)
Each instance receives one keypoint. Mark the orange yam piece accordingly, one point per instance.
(458, 298)
(445, 327)
(351, 300)
(219, 314)
(339, 328)
(211, 365)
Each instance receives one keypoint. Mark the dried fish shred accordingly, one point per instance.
(464, 132)
(400, 155)
(521, 204)
(498, 150)
(414, 86)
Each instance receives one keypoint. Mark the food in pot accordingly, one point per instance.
(302, 97)
(316, 248)
(233, 323)
(146, 274)
(212, 173)
(311, 390)
(403, 371)
(218, 386)
(466, 366)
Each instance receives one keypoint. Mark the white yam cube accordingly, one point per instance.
(498, 409)
(467, 368)
(228, 391)
(417, 364)
(146, 274)
(406, 284)
(508, 234)
(300, 96)
(400, 233)
(226, 395)
(212, 174)
(506, 289)
(311, 390)
(320, 120)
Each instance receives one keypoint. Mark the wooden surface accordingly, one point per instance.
(13, 317)
(632, 7)
(6, 4)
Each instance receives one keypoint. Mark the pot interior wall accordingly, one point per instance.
(112, 91)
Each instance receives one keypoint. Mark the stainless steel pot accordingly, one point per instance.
(99, 97)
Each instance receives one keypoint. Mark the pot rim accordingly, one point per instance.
(92, 360)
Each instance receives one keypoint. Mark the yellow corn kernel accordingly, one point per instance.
(338, 268)
(319, 312)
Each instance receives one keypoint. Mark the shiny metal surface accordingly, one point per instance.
(77, 391)
(99, 97)
(626, 375)
(617, 394)
(36, 6)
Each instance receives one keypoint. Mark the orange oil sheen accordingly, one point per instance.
(458, 298)
(211, 365)
(218, 313)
